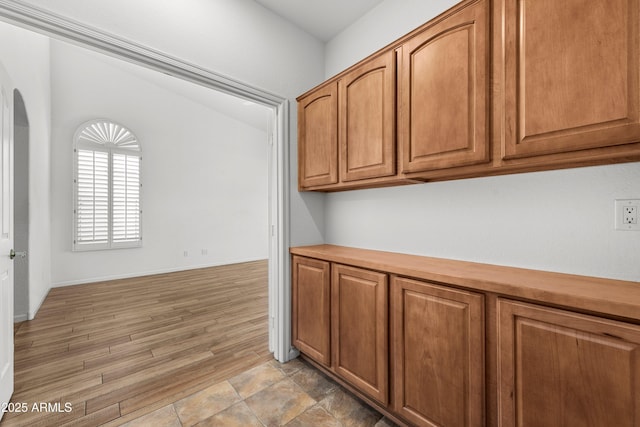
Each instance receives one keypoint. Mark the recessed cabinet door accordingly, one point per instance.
(318, 137)
(571, 70)
(359, 329)
(444, 85)
(561, 369)
(311, 308)
(367, 119)
(438, 343)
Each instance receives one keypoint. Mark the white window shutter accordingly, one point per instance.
(126, 198)
(92, 206)
(108, 212)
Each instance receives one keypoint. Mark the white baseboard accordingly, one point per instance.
(17, 318)
(32, 314)
(147, 273)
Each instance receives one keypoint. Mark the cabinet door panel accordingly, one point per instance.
(444, 83)
(367, 120)
(563, 369)
(311, 308)
(571, 70)
(318, 137)
(359, 329)
(438, 342)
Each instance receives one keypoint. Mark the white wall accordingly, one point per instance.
(385, 23)
(557, 221)
(237, 38)
(205, 175)
(26, 57)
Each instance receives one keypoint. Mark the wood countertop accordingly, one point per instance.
(617, 298)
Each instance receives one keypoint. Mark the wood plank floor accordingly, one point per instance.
(120, 349)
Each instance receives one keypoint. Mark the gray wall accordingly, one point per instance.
(21, 211)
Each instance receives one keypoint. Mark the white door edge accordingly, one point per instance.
(6, 238)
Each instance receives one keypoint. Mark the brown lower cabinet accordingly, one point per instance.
(311, 298)
(359, 329)
(438, 346)
(562, 369)
(468, 353)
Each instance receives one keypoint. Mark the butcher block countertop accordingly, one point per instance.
(615, 298)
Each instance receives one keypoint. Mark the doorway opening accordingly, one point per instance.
(21, 206)
(57, 27)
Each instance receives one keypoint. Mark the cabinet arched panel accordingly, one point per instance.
(444, 93)
(318, 138)
(367, 120)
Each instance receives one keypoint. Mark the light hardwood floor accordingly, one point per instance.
(120, 349)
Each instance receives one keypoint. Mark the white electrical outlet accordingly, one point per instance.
(627, 214)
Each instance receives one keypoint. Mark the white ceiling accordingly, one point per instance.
(323, 19)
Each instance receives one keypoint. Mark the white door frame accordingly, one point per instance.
(44, 22)
(6, 237)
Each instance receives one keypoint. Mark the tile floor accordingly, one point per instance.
(272, 394)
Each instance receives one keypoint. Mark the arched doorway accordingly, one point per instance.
(21, 206)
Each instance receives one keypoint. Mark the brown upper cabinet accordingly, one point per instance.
(367, 119)
(571, 75)
(346, 129)
(488, 87)
(318, 137)
(444, 88)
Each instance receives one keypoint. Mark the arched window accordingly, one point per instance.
(107, 187)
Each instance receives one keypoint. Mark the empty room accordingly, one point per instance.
(294, 212)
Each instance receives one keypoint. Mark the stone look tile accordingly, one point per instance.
(339, 403)
(163, 417)
(313, 382)
(362, 417)
(294, 394)
(256, 379)
(350, 411)
(206, 403)
(385, 422)
(280, 403)
(289, 368)
(238, 415)
(315, 416)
